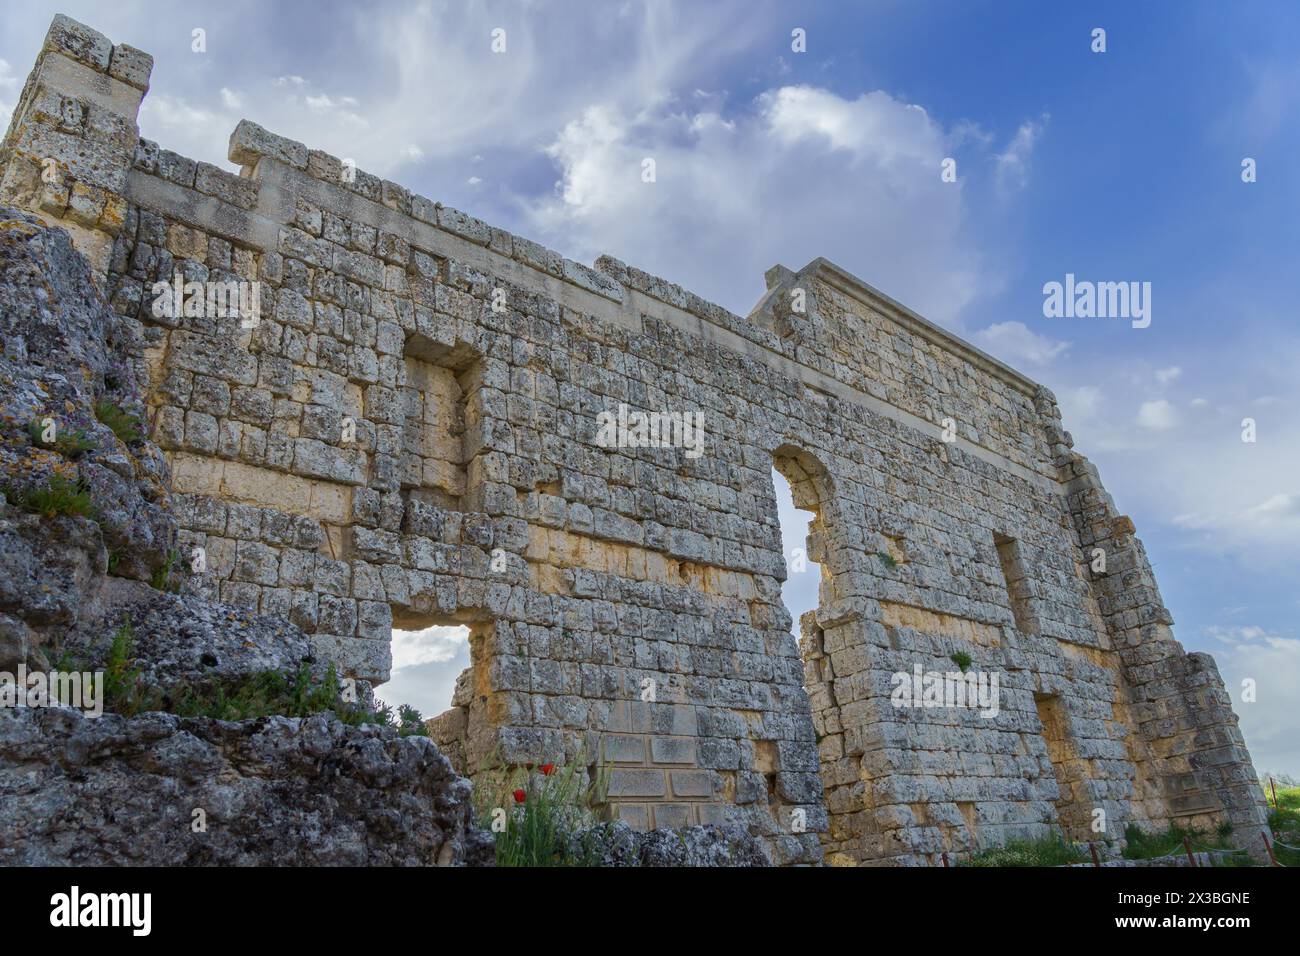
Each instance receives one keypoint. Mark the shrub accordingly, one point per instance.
(127, 427)
(57, 496)
(265, 694)
(1045, 851)
(70, 443)
(405, 718)
(962, 660)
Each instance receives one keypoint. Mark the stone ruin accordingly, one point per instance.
(407, 433)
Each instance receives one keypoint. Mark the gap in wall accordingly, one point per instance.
(799, 591)
(426, 662)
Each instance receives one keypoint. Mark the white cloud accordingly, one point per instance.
(182, 127)
(230, 99)
(9, 88)
(432, 645)
(1272, 662)
(800, 172)
(1158, 415)
(1166, 375)
(1012, 169)
(1015, 343)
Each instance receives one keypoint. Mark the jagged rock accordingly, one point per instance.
(49, 569)
(182, 639)
(617, 844)
(276, 791)
(65, 351)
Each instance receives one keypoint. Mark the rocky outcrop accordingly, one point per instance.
(63, 369)
(157, 788)
(164, 790)
(617, 844)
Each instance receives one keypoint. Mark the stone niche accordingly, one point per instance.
(438, 381)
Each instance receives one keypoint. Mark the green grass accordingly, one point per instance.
(1045, 851)
(887, 560)
(1286, 815)
(1143, 845)
(541, 829)
(58, 496)
(127, 427)
(265, 694)
(1285, 818)
(962, 660)
(69, 444)
(123, 693)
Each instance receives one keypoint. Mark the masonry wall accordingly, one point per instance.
(408, 435)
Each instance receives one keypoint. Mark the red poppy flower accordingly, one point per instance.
(520, 796)
(548, 768)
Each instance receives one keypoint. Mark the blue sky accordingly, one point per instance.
(1115, 166)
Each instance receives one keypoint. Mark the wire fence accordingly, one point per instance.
(1191, 848)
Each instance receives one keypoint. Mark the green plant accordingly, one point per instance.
(58, 496)
(962, 660)
(545, 816)
(887, 560)
(69, 444)
(122, 691)
(261, 694)
(1045, 851)
(265, 694)
(1143, 845)
(168, 576)
(127, 427)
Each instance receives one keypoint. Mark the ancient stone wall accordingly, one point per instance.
(410, 433)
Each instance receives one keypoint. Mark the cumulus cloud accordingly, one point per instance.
(431, 645)
(1016, 344)
(428, 686)
(799, 172)
(426, 664)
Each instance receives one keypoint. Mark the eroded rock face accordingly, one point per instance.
(277, 791)
(182, 639)
(64, 362)
(731, 846)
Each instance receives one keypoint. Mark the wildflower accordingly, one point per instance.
(547, 768)
(520, 796)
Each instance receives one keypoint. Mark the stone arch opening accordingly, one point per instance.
(810, 490)
(808, 584)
